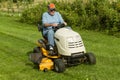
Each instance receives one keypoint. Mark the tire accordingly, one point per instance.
(59, 66)
(36, 50)
(36, 56)
(90, 58)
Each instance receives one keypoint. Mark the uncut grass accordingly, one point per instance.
(106, 49)
(18, 39)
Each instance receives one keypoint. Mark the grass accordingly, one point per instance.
(18, 39)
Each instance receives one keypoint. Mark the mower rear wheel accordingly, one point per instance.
(36, 56)
(59, 65)
(90, 58)
(36, 50)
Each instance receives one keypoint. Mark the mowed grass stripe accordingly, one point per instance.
(14, 47)
(21, 33)
(15, 37)
(18, 39)
(10, 26)
(14, 56)
(13, 43)
(100, 43)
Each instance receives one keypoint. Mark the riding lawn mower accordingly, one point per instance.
(69, 49)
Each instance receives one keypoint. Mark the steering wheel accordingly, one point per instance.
(59, 26)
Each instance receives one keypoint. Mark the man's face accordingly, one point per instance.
(51, 11)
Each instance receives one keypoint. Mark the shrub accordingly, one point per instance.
(15, 1)
(33, 15)
(100, 15)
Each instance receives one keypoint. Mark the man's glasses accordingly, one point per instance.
(52, 10)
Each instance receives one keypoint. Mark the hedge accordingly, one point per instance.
(100, 15)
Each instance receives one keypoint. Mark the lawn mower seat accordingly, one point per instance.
(40, 28)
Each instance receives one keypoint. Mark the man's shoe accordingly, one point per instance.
(52, 53)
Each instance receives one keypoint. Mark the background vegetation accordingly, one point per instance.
(100, 15)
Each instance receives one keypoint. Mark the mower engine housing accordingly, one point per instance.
(69, 42)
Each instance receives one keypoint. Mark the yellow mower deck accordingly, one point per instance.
(46, 63)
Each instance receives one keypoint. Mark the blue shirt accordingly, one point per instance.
(47, 18)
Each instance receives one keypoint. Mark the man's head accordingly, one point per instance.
(51, 8)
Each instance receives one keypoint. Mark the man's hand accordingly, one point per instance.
(54, 24)
(65, 23)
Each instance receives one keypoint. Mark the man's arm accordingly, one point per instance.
(61, 19)
(47, 24)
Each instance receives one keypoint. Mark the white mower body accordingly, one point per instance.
(68, 42)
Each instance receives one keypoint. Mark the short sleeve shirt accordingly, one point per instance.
(56, 18)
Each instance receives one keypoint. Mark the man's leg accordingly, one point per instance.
(50, 35)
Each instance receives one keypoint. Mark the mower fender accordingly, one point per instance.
(46, 53)
(46, 64)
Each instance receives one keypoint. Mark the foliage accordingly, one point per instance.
(33, 15)
(15, 1)
(100, 15)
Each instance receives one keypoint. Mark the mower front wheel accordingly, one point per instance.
(59, 65)
(90, 58)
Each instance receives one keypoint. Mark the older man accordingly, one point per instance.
(51, 19)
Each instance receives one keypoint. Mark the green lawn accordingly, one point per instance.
(18, 39)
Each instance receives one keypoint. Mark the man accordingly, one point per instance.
(51, 19)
